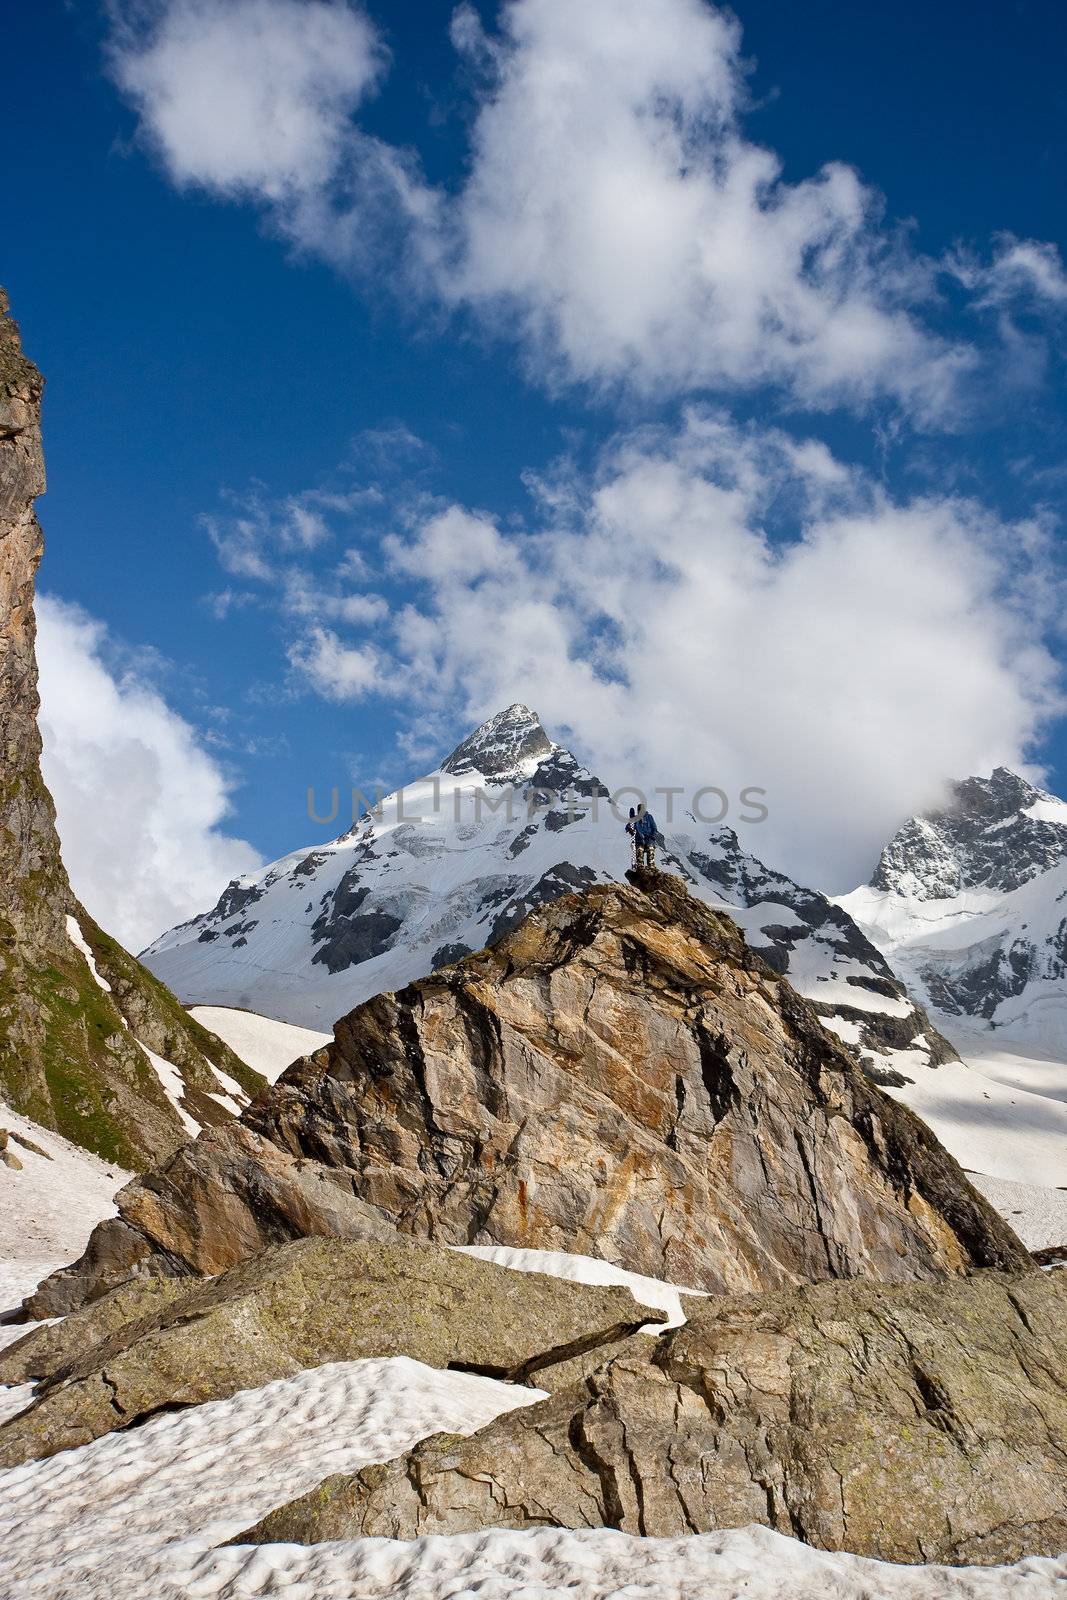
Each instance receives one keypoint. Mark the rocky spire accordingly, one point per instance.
(69, 1056)
(506, 749)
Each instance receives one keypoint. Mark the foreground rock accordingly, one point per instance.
(315, 1301)
(909, 1422)
(69, 1052)
(52, 1346)
(620, 1077)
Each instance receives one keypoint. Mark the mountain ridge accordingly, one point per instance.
(969, 903)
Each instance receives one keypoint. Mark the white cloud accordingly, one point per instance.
(1020, 271)
(304, 596)
(849, 661)
(337, 671)
(247, 97)
(140, 803)
(452, 546)
(615, 217)
(616, 209)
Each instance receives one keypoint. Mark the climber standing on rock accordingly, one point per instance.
(644, 827)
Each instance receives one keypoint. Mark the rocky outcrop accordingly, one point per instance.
(69, 1052)
(314, 1301)
(910, 1422)
(620, 1077)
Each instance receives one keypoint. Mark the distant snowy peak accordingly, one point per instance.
(995, 833)
(506, 749)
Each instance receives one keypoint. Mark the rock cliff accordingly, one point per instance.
(75, 1009)
(621, 1077)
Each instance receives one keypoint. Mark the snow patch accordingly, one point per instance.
(1048, 809)
(137, 1513)
(589, 1269)
(49, 1209)
(1038, 1215)
(173, 1087)
(261, 1042)
(80, 943)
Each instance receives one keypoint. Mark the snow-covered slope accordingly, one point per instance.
(262, 1043)
(51, 1202)
(451, 862)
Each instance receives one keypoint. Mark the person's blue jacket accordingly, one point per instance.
(645, 827)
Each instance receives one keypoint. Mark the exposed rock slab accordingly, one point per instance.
(49, 1348)
(909, 1422)
(309, 1302)
(621, 1077)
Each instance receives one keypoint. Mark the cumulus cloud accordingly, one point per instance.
(614, 215)
(337, 671)
(721, 606)
(247, 97)
(141, 805)
(617, 208)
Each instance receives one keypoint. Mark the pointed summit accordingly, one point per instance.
(506, 749)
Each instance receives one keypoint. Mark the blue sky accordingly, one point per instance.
(450, 294)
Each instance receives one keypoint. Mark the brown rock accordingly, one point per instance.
(310, 1302)
(910, 1422)
(620, 1077)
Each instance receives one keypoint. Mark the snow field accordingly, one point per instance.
(261, 1042)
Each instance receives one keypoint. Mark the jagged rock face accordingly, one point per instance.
(995, 833)
(619, 1077)
(913, 1423)
(455, 860)
(310, 1302)
(69, 1051)
(502, 748)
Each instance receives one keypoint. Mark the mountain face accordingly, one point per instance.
(996, 833)
(91, 1044)
(969, 902)
(454, 861)
(620, 1076)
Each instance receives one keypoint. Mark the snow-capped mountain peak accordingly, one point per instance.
(506, 749)
(994, 833)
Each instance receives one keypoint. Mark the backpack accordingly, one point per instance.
(646, 827)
